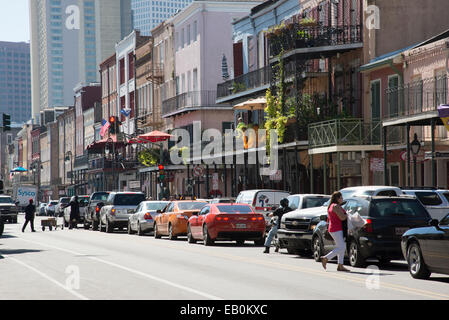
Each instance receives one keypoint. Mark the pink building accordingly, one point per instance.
(203, 35)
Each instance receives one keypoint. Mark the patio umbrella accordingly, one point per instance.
(443, 113)
(224, 68)
(19, 169)
(155, 136)
(252, 104)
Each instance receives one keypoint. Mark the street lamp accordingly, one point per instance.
(68, 157)
(416, 147)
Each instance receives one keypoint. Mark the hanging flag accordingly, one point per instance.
(125, 112)
(443, 112)
(104, 128)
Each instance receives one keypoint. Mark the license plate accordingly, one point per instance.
(240, 226)
(401, 231)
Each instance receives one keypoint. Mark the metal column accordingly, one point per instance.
(408, 156)
(385, 156)
(434, 173)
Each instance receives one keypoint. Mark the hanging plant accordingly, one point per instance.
(181, 152)
(148, 157)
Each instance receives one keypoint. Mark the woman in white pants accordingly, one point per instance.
(336, 214)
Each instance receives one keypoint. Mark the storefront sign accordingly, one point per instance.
(377, 164)
(134, 184)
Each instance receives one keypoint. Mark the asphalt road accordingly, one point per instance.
(89, 265)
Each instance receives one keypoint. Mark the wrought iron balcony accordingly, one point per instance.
(296, 36)
(344, 132)
(416, 97)
(189, 101)
(261, 79)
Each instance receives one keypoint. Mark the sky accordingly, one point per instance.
(14, 21)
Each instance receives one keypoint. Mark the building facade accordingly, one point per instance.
(15, 81)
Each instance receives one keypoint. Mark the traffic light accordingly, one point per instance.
(114, 125)
(6, 122)
(161, 172)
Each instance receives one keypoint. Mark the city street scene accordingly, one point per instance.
(235, 150)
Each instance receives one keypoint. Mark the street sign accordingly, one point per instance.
(198, 171)
(277, 176)
(438, 155)
(134, 184)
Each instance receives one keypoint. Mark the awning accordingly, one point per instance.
(155, 136)
(252, 104)
(97, 145)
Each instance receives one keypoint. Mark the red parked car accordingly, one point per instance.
(228, 222)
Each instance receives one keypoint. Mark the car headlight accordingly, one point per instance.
(283, 226)
(314, 222)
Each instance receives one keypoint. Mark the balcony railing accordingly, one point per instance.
(416, 97)
(260, 79)
(190, 100)
(299, 37)
(349, 132)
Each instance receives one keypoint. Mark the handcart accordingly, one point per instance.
(51, 223)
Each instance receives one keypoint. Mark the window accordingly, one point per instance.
(429, 198)
(154, 206)
(314, 202)
(131, 65)
(375, 100)
(387, 193)
(191, 205)
(204, 211)
(195, 30)
(445, 221)
(235, 209)
(393, 97)
(397, 208)
(188, 34)
(293, 202)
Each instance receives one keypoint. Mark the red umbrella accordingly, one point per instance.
(155, 136)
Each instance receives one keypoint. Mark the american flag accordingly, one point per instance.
(104, 128)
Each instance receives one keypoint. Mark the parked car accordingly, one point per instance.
(435, 201)
(295, 233)
(226, 222)
(222, 200)
(143, 220)
(387, 219)
(172, 221)
(82, 201)
(8, 209)
(51, 207)
(92, 213)
(385, 191)
(262, 201)
(41, 209)
(118, 208)
(60, 206)
(426, 249)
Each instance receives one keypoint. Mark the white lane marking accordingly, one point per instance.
(76, 294)
(146, 275)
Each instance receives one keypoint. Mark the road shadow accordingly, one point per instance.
(9, 252)
(439, 279)
(7, 236)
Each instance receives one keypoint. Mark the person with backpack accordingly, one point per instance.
(274, 229)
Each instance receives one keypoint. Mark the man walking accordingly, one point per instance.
(29, 216)
(74, 212)
(274, 229)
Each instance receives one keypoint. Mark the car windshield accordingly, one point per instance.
(53, 202)
(154, 206)
(191, 205)
(103, 196)
(446, 195)
(6, 200)
(65, 200)
(314, 202)
(234, 209)
(128, 199)
(397, 208)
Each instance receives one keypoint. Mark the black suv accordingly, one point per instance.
(388, 218)
(92, 213)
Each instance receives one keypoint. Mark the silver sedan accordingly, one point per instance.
(143, 220)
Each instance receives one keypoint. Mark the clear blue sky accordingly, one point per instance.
(14, 20)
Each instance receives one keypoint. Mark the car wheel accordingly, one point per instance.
(139, 230)
(317, 249)
(109, 228)
(190, 238)
(65, 223)
(86, 226)
(207, 240)
(155, 233)
(417, 267)
(171, 235)
(100, 226)
(94, 226)
(130, 231)
(259, 242)
(355, 257)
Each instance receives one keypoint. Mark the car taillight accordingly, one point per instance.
(218, 218)
(225, 219)
(97, 209)
(260, 218)
(368, 227)
(112, 211)
(148, 216)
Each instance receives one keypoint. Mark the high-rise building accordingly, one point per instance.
(69, 39)
(15, 81)
(147, 14)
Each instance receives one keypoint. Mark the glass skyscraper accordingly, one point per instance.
(15, 81)
(147, 14)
